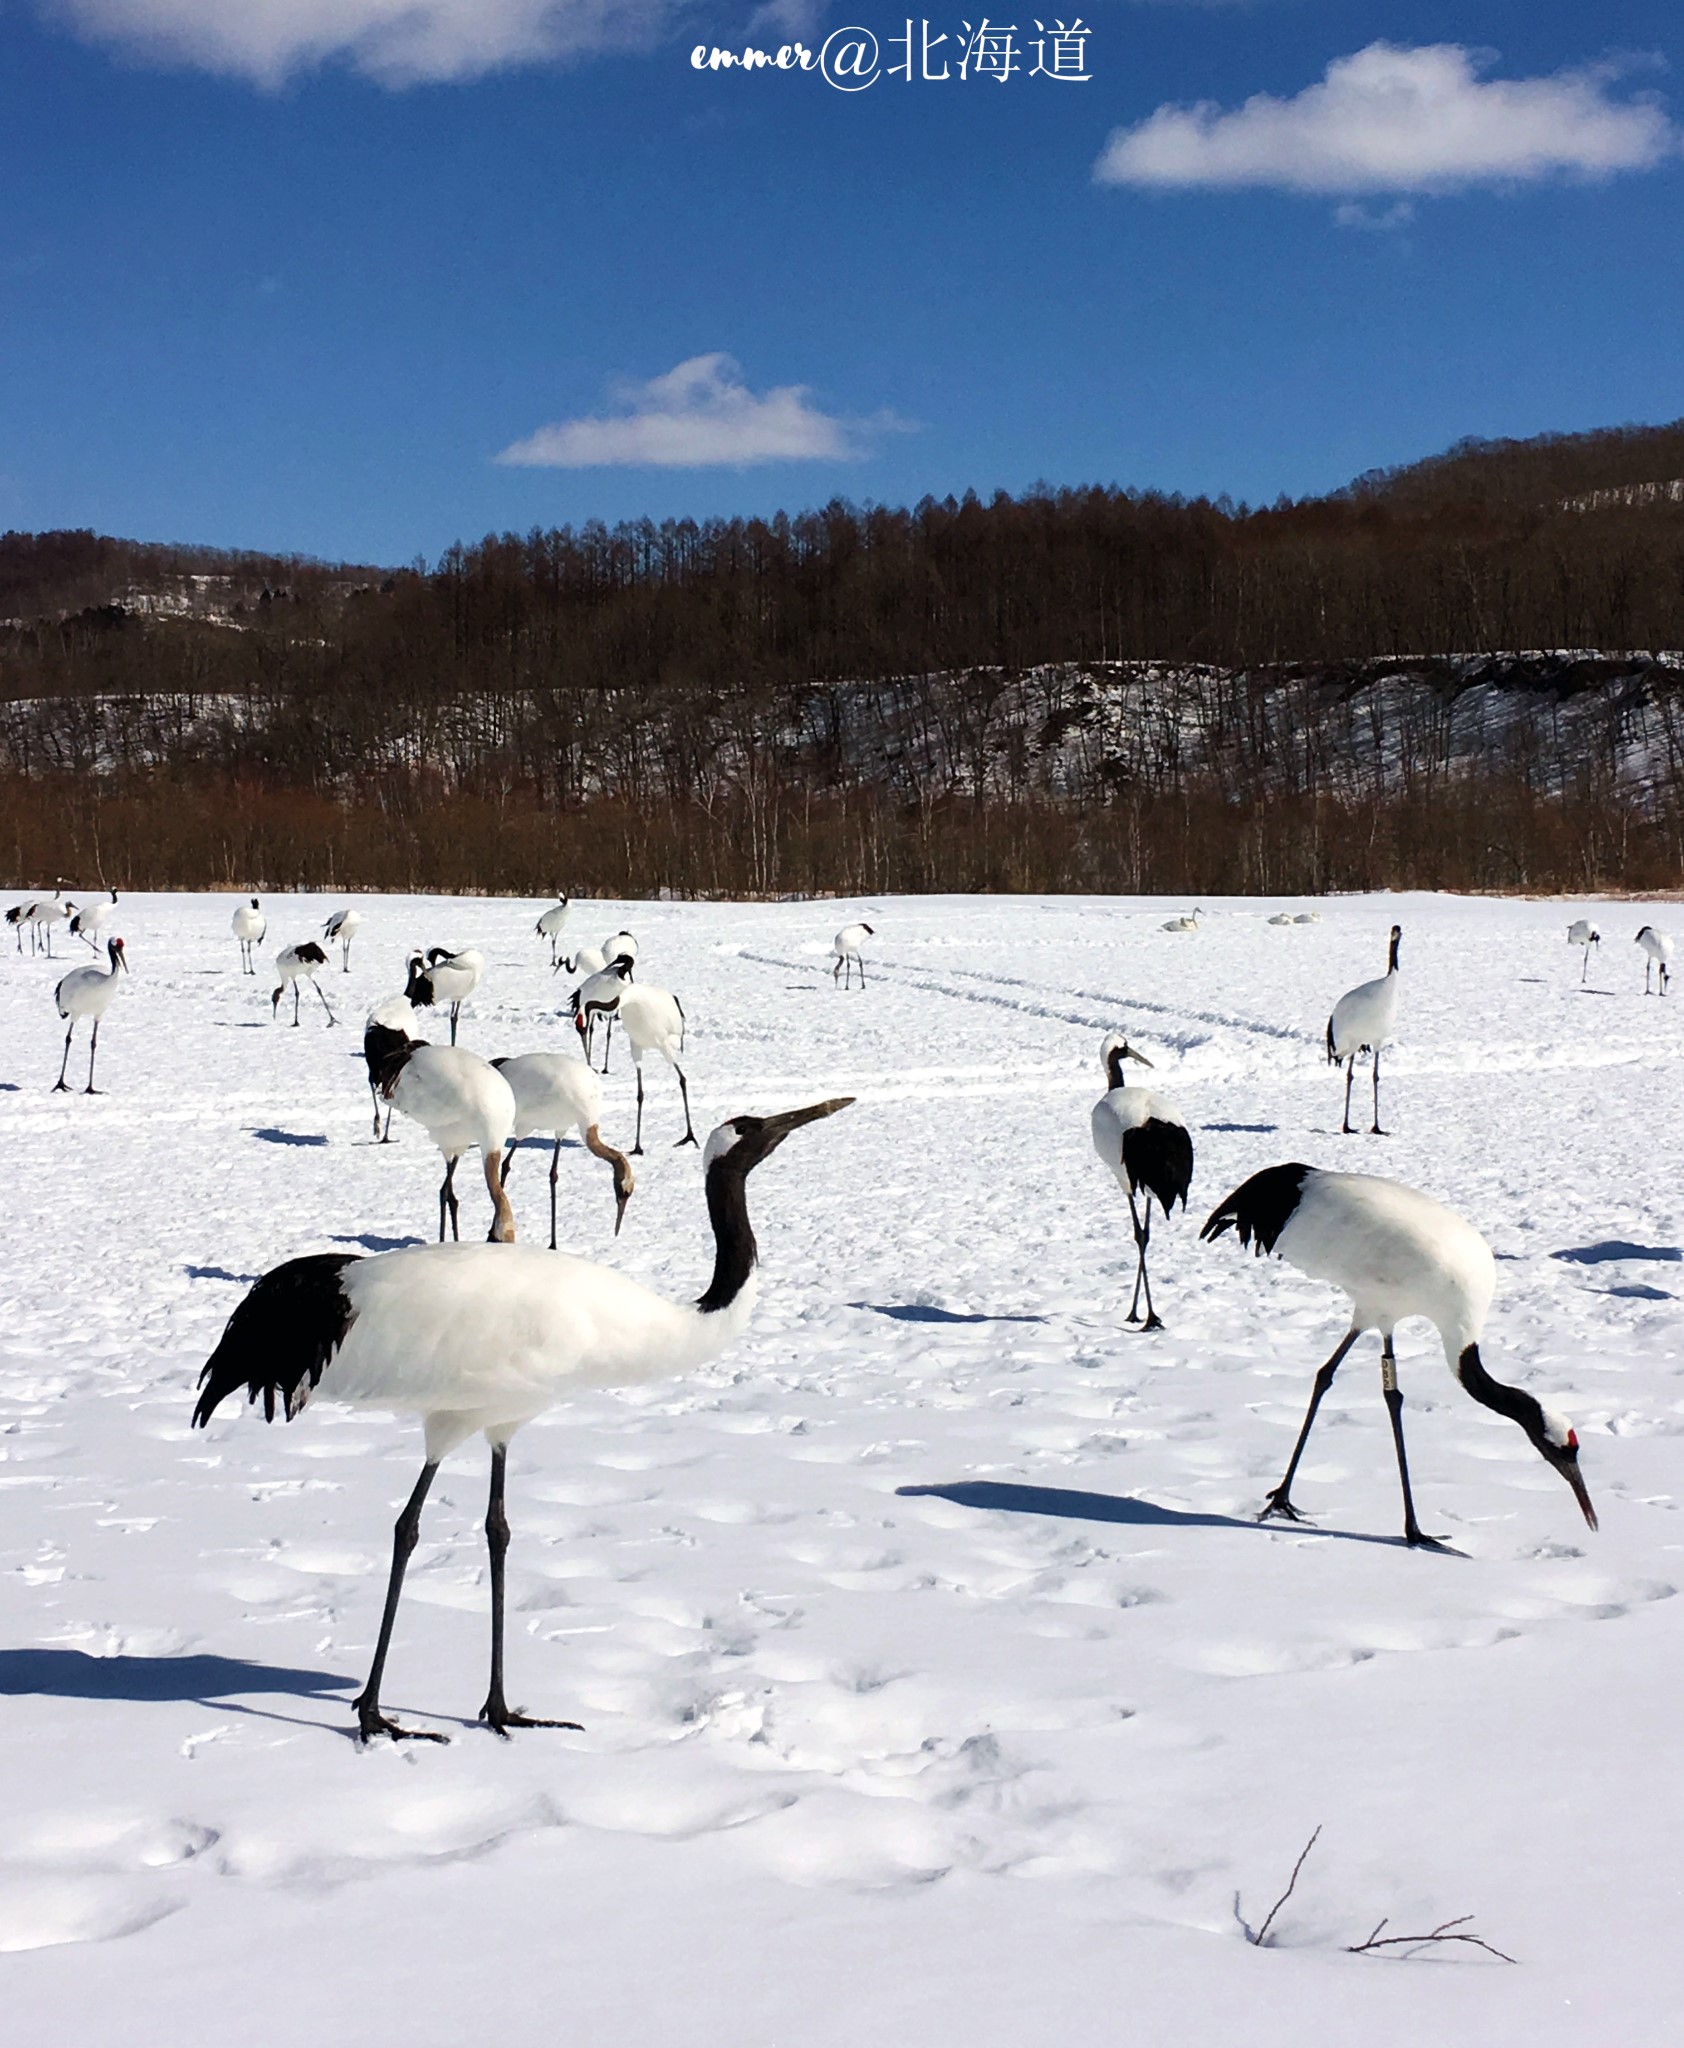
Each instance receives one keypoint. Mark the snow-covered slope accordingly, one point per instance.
(937, 1681)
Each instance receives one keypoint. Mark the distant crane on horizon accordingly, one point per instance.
(249, 926)
(343, 926)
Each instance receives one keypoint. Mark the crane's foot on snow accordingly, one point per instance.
(689, 1138)
(500, 1719)
(1417, 1541)
(1280, 1503)
(1154, 1322)
(371, 1722)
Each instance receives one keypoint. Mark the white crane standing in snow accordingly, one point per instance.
(44, 913)
(464, 1105)
(598, 995)
(87, 992)
(1362, 1021)
(1659, 949)
(553, 922)
(1396, 1253)
(343, 926)
(653, 1021)
(1140, 1136)
(1583, 934)
(249, 926)
(483, 1338)
(92, 919)
(554, 1094)
(848, 950)
(295, 964)
(444, 978)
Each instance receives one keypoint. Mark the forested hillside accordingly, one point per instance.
(1452, 674)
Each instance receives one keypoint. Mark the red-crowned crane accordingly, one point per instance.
(848, 950)
(249, 926)
(484, 1338)
(390, 1025)
(1659, 950)
(653, 1021)
(1396, 1252)
(553, 922)
(92, 919)
(463, 1104)
(444, 978)
(341, 928)
(1583, 934)
(87, 992)
(1140, 1136)
(1363, 1020)
(295, 964)
(554, 1094)
(598, 995)
(44, 913)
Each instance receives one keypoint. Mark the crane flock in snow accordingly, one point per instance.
(481, 1338)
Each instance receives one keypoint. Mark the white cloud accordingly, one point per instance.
(700, 415)
(398, 42)
(1395, 119)
(1351, 213)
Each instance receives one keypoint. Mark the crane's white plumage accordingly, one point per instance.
(484, 1338)
(464, 1105)
(87, 992)
(653, 1021)
(1362, 1022)
(46, 911)
(598, 995)
(848, 949)
(249, 926)
(1659, 950)
(1397, 1253)
(555, 1094)
(619, 946)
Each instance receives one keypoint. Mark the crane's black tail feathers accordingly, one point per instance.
(1159, 1156)
(1332, 1049)
(281, 1338)
(1260, 1208)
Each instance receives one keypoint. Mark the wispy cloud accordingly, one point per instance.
(397, 42)
(700, 415)
(1396, 119)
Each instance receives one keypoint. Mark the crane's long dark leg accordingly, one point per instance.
(495, 1713)
(447, 1199)
(61, 1085)
(555, 1175)
(93, 1047)
(1350, 1076)
(370, 1720)
(637, 1141)
(689, 1137)
(607, 1039)
(1142, 1238)
(1585, 969)
(455, 1012)
(835, 972)
(509, 1151)
(326, 1005)
(296, 992)
(1394, 1407)
(1279, 1502)
(862, 970)
(1377, 1132)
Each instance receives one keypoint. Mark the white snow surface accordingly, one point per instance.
(938, 1684)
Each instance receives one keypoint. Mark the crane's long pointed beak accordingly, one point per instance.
(621, 1198)
(1566, 1462)
(1130, 1053)
(778, 1127)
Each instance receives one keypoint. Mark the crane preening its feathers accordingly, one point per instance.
(475, 1338)
(1396, 1253)
(1139, 1134)
(1362, 1021)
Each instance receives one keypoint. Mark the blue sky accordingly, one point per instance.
(299, 282)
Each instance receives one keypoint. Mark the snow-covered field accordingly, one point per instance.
(938, 1684)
